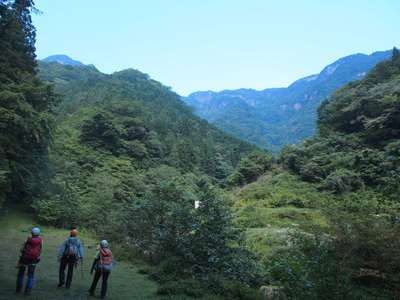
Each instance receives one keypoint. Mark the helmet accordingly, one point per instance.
(74, 232)
(104, 244)
(35, 231)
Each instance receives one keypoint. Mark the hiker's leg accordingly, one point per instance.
(71, 266)
(30, 280)
(96, 278)
(61, 272)
(104, 284)
(20, 278)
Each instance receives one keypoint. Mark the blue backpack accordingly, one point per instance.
(71, 248)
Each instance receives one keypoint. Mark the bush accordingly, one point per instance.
(216, 289)
(355, 258)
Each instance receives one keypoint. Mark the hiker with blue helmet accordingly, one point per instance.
(29, 258)
(70, 252)
(102, 265)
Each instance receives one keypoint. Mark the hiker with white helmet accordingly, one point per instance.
(29, 258)
(102, 264)
(70, 252)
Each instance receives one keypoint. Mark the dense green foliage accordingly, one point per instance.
(63, 74)
(128, 161)
(367, 107)
(356, 157)
(358, 141)
(27, 106)
(122, 144)
(200, 241)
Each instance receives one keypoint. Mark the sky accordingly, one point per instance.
(192, 45)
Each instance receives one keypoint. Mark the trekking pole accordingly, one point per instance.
(82, 268)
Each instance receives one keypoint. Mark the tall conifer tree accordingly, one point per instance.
(26, 103)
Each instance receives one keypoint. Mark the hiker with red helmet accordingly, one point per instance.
(70, 252)
(29, 258)
(102, 264)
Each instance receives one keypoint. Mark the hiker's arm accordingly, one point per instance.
(40, 251)
(22, 249)
(93, 265)
(81, 251)
(62, 249)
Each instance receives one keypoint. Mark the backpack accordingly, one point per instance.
(32, 248)
(105, 260)
(71, 248)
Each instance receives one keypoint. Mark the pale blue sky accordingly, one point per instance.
(193, 45)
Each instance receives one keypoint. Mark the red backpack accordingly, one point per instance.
(106, 260)
(33, 248)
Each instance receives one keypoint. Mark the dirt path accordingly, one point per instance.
(124, 282)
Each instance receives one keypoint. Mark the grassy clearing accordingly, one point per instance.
(269, 230)
(281, 217)
(124, 283)
(268, 241)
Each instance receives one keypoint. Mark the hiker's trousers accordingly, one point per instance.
(31, 270)
(63, 265)
(96, 278)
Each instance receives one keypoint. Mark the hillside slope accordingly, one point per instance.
(276, 117)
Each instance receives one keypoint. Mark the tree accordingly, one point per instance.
(26, 105)
(99, 131)
(165, 225)
(17, 56)
(249, 168)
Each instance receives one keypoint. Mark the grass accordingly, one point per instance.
(124, 283)
(268, 241)
(279, 217)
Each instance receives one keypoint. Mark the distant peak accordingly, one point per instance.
(63, 60)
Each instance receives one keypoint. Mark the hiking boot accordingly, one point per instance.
(67, 286)
(90, 293)
(60, 284)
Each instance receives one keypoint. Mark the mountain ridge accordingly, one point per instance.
(282, 116)
(273, 117)
(66, 60)
(63, 59)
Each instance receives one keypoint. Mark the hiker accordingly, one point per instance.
(70, 252)
(29, 257)
(102, 264)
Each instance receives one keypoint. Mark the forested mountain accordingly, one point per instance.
(358, 134)
(133, 131)
(130, 160)
(276, 117)
(121, 156)
(349, 173)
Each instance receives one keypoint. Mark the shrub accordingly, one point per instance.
(355, 258)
